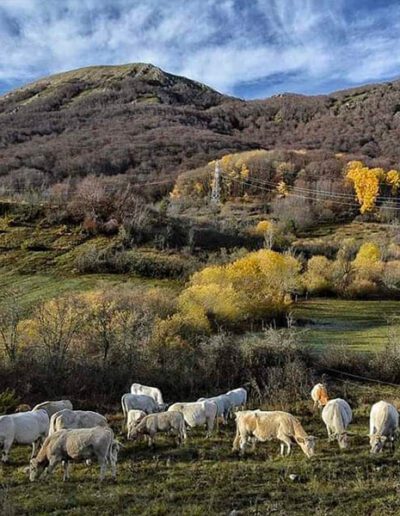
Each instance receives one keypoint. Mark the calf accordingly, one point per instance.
(319, 395)
(165, 422)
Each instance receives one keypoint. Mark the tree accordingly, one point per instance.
(317, 278)
(11, 316)
(55, 326)
(256, 286)
(366, 183)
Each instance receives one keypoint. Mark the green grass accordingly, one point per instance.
(206, 477)
(362, 325)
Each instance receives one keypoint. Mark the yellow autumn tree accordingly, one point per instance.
(393, 179)
(317, 278)
(255, 286)
(366, 183)
(367, 263)
(262, 227)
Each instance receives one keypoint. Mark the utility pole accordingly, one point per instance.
(216, 187)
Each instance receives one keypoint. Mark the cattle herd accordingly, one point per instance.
(68, 435)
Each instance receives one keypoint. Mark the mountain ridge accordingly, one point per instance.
(144, 123)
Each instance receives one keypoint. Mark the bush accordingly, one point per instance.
(157, 265)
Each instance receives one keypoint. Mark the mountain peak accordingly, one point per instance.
(140, 82)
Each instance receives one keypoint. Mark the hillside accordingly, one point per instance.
(142, 122)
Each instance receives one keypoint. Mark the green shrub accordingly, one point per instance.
(9, 401)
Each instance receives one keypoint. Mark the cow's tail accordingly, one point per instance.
(53, 424)
(124, 408)
(183, 429)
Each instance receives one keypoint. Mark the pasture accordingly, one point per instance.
(360, 325)
(206, 477)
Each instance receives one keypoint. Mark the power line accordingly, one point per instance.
(319, 192)
(269, 190)
(315, 198)
(360, 377)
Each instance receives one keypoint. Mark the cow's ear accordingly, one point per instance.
(300, 440)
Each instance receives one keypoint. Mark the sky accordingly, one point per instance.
(246, 48)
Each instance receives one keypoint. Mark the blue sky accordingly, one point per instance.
(248, 48)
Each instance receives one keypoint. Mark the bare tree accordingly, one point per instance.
(11, 314)
(58, 323)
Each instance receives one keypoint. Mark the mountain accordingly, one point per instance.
(147, 124)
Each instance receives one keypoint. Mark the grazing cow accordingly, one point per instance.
(23, 428)
(153, 392)
(337, 416)
(166, 422)
(265, 426)
(319, 395)
(67, 419)
(224, 406)
(51, 407)
(76, 445)
(197, 413)
(383, 426)
(238, 398)
(139, 402)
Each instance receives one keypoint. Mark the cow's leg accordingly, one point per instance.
(66, 470)
(210, 426)
(113, 464)
(35, 446)
(103, 467)
(236, 441)
(282, 449)
(53, 461)
(286, 440)
(6, 449)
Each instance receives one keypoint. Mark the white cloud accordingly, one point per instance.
(223, 43)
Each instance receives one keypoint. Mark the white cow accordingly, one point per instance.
(197, 413)
(75, 445)
(238, 398)
(257, 425)
(66, 419)
(337, 416)
(171, 423)
(153, 392)
(51, 407)
(383, 425)
(139, 402)
(224, 405)
(23, 428)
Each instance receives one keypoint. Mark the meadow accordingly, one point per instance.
(206, 477)
(358, 325)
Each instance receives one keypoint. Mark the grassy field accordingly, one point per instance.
(362, 325)
(206, 477)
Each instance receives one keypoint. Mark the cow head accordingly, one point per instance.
(307, 444)
(343, 440)
(377, 442)
(35, 469)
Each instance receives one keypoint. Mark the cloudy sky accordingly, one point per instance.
(248, 48)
